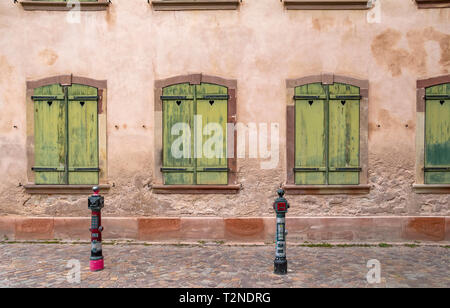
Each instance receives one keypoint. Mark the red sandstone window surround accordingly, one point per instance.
(423, 85)
(231, 186)
(291, 186)
(66, 80)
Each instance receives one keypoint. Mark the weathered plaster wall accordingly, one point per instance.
(260, 45)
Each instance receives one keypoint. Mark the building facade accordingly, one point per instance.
(345, 104)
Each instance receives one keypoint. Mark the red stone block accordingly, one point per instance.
(345, 229)
(447, 228)
(299, 228)
(7, 228)
(157, 229)
(72, 228)
(424, 228)
(270, 230)
(34, 228)
(202, 228)
(331, 230)
(322, 229)
(244, 229)
(120, 228)
(385, 229)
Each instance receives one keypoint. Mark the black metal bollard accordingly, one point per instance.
(281, 206)
(95, 204)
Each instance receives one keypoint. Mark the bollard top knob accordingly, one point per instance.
(280, 205)
(95, 202)
(280, 193)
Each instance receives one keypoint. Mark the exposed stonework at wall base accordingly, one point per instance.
(241, 230)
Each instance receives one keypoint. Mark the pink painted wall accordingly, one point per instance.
(260, 45)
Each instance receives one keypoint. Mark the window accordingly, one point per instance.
(327, 135)
(183, 5)
(65, 5)
(196, 107)
(194, 141)
(66, 135)
(66, 129)
(433, 135)
(437, 134)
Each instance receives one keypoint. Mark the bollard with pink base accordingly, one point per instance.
(95, 204)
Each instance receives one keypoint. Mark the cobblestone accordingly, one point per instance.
(45, 265)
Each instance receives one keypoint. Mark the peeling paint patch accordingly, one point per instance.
(5, 68)
(444, 42)
(387, 53)
(111, 16)
(323, 23)
(48, 56)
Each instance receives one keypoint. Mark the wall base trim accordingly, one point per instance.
(237, 229)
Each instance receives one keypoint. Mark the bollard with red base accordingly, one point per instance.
(95, 204)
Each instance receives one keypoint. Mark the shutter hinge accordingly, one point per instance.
(173, 169)
(173, 98)
(216, 97)
(436, 169)
(83, 98)
(307, 97)
(436, 97)
(312, 169)
(215, 169)
(46, 98)
(346, 97)
(84, 169)
(47, 169)
(346, 169)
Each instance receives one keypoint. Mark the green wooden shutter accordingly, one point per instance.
(178, 107)
(343, 149)
(327, 134)
(437, 134)
(66, 135)
(310, 134)
(82, 135)
(212, 107)
(50, 135)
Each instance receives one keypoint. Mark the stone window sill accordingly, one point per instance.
(196, 189)
(64, 189)
(431, 4)
(431, 188)
(100, 5)
(327, 4)
(187, 5)
(327, 189)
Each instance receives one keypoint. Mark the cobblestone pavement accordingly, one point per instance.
(45, 265)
